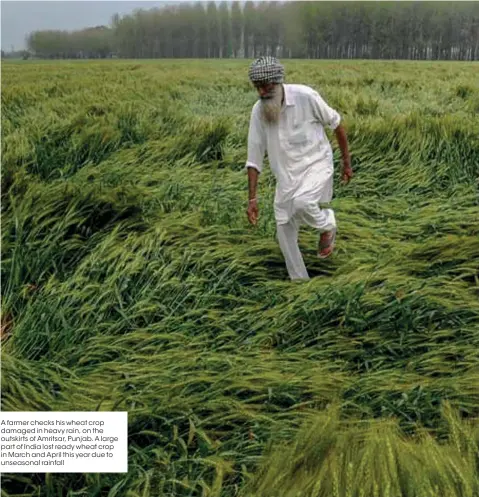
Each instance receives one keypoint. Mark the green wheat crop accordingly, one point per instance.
(131, 280)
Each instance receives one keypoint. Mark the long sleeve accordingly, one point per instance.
(256, 142)
(323, 112)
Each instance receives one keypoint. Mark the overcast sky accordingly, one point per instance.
(20, 18)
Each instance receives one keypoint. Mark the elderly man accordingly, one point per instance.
(288, 122)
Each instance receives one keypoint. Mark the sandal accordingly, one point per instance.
(327, 245)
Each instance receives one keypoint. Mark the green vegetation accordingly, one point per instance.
(307, 30)
(132, 281)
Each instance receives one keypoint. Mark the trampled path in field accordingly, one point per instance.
(132, 280)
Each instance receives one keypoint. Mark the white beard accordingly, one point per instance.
(271, 107)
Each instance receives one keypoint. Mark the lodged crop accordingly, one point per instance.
(131, 280)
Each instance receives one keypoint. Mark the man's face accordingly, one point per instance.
(271, 95)
(265, 90)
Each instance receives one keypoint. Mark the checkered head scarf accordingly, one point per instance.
(266, 70)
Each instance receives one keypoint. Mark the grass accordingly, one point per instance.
(132, 281)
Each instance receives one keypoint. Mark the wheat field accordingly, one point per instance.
(131, 280)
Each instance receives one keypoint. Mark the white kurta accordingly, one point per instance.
(299, 152)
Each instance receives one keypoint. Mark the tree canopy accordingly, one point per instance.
(336, 30)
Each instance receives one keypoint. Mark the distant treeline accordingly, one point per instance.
(16, 54)
(335, 30)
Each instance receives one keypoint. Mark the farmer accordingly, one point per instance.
(288, 122)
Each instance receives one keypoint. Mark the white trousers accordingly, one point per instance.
(287, 234)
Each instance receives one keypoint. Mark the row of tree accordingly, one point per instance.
(337, 30)
(16, 54)
(88, 43)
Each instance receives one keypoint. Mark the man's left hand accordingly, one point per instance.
(347, 174)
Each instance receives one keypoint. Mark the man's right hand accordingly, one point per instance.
(252, 211)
